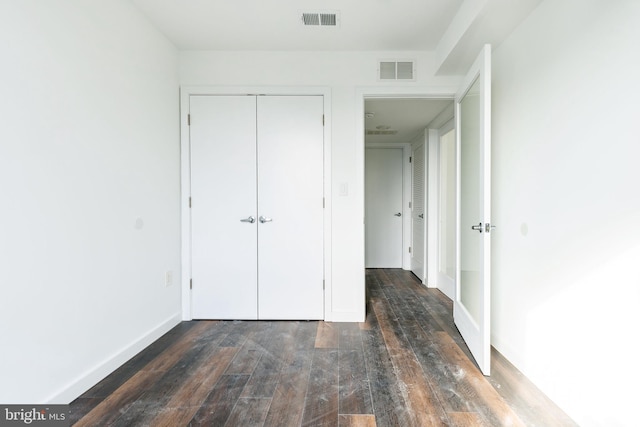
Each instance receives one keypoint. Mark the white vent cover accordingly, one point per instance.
(320, 19)
(396, 70)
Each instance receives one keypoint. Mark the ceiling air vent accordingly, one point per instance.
(320, 19)
(381, 132)
(396, 70)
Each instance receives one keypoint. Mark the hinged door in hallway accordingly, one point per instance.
(257, 211)
(472, 305)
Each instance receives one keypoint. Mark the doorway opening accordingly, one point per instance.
(472, 110)
(401, 176)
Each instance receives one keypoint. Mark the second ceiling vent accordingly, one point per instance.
(320, 19)
(397, 70)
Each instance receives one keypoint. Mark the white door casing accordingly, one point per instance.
(383, 207)
(418, 212)
(473, 275)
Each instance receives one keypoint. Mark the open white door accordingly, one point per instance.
(471, 310)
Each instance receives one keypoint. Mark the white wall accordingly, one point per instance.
(89, 144)
(346, 74)
(567, 206)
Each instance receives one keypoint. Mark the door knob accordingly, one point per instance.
(250, 220)
(421, 216)
(263, 219)
(477, 227)
(398, 214)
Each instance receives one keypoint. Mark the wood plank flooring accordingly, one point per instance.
(405, 366)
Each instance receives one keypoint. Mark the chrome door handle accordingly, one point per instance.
(421, 216)
(250, 220)
(477, 227)
(263, 219)
(398, 214)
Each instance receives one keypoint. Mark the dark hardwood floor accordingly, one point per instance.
(405, 366)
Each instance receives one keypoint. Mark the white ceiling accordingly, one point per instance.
(409, 116)
(454, 30)
(276, 24)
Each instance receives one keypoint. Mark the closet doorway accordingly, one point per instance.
(257, 196)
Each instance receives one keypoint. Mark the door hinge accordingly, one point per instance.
(189, 201)
(323, 203)
(323, 120)
(410, 159)
(409, 205)
(188, 119)
(323, 284)
(409, 249)
(190, 283)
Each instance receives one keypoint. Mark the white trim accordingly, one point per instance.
(448, 126)
(346, 316)
(432, 208)
(185, 93)
(96, 374)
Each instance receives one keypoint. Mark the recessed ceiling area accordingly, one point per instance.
(407, 116)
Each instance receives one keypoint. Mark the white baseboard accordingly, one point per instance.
(346, 317)
(90, 378)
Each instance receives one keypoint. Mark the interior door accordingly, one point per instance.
(224, 209)
(290, 199)
(383, 207)
(473, 279)
(417, 213)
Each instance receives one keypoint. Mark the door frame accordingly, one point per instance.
(406, 196)
(445, 284)
(390, 92)
(185, 177)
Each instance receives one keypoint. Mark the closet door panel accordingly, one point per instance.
(223, 191)
(290, 201)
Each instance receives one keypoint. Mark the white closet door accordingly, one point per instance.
(418, 214)
(290, 189)
(223, 191)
